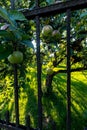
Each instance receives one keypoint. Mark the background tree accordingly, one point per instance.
(56, 44)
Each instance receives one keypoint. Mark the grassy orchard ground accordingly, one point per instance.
(54, 106)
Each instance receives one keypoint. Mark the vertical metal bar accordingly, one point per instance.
(28, 122)
(16, 95)
(15, 79)
(68, 72)
(12, 4)
(39, 73)
(7, 118)
(39, 70)
(37, 3)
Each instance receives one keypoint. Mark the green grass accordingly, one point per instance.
(78, 98)
(54, 105)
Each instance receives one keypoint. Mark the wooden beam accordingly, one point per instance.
(55, 8)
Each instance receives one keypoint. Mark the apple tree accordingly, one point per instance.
(53, 37)
(53, 47)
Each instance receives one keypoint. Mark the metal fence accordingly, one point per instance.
(36, 13)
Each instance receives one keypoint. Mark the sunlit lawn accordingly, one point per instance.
(54, 105)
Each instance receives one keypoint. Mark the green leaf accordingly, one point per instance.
(15, 15)
(1, 48)
(4, 14)
(50, 1)
(84, 14)
(4, 53)
(28, 43)
(17, 35)
(3, 33)
(7, 36)
(25, 37)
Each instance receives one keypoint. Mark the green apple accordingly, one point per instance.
(16, 57)
(55, 35)
(11, 58)
(47, 31)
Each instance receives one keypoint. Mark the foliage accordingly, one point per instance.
(54, 106)
(20, 32)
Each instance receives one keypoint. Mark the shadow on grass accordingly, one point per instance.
(55, 104)
(31, 106)
(55, 111)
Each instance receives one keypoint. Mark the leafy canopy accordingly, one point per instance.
(10, 31)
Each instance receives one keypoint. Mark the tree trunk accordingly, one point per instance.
(49, 78)
(49, 86)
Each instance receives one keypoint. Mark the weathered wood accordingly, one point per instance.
(55, 8)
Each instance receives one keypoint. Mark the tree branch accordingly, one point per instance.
(72, 70)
